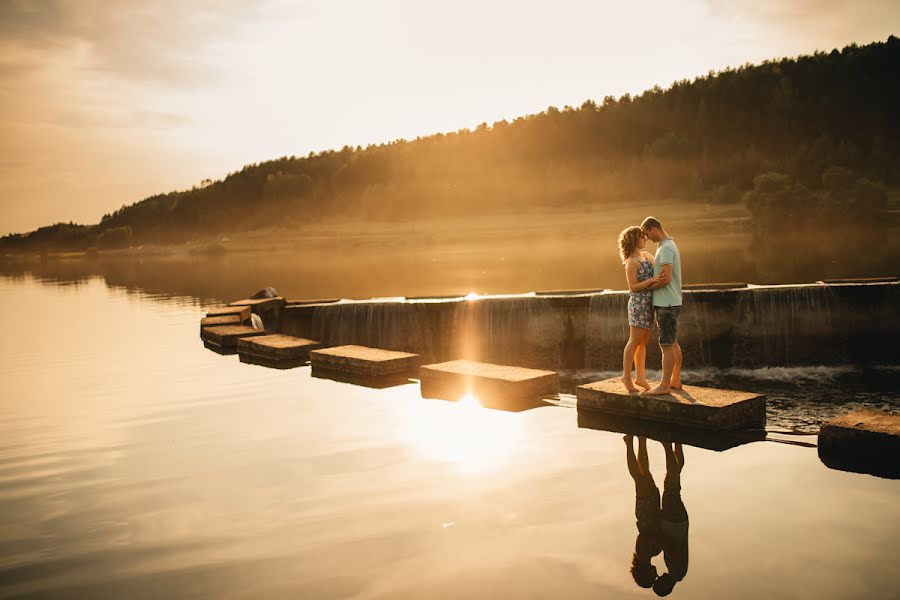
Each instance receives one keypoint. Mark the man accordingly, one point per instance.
(666, 304)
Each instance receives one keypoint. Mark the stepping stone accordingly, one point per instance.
(221, 320)
(718, 441)
(261, 305)
(275, 350)
(703, 408)
(863, 441)
(360, 360)
(225, 337)
(241, 311)
(487, 382)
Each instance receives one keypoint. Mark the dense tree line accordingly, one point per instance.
(819, 132)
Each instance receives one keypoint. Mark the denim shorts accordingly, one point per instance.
(667, 321)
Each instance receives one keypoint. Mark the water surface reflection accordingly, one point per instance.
(136, 464)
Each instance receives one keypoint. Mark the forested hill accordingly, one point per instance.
(810, 125)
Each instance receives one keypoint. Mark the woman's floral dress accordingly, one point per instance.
(640, 304)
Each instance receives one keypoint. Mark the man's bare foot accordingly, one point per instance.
(676, 385)
(628, 385)
(658, 391)
(642, 383)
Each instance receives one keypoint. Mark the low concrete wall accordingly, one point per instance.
(749, 327)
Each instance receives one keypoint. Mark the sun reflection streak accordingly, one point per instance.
(470, 437)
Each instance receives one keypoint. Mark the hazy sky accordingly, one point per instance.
(103, 103)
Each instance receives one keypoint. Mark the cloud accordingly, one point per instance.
(167, 42)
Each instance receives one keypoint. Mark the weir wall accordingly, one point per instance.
(751, 327)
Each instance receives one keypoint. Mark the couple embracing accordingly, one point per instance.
(655, 286)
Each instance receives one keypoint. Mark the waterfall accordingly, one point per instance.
(759, 326)
(522, 330)
(395, 325)
(607, 331)
(785, 326)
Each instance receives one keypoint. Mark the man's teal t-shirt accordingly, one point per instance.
(667, 254)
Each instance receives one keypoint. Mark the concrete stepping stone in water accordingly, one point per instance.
(863, 441)
(224, 338)
(692, 406)
(220, 320)
(275, 350)
(241, 311)
(361, 360)
(487, 382)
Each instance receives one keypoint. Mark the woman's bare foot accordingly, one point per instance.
(643, 383)
(627, 383)
(658, 391)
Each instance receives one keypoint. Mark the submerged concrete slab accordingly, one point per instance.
(362, 360)
(277, 347)
(863, 441)
(221, 320)
(718, 441)
(488, 382)
(241, 311)
(703, 408)
(225, 337)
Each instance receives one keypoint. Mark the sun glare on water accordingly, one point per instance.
(471, 437)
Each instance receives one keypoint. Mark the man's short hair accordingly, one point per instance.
(650, 223)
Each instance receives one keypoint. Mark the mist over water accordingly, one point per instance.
(135, 463)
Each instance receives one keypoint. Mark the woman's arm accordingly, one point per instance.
(631, 268)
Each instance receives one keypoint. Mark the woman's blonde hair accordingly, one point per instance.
(628, 241)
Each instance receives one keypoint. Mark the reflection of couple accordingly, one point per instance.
(660, 528)
(655, 286)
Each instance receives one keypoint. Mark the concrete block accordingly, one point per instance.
(863, 441)
(703, 408)
(275, 350)
(241, 311)
(361, 360)
(488, 382)
(221, 320)
(225, 337)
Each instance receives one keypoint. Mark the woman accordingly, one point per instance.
(639, 274)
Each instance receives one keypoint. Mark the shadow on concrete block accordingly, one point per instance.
(863, 441)
(377, 382)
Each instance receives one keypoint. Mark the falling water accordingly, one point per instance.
(607, 330)
(395, 325)
(785, 326)
(522, 330)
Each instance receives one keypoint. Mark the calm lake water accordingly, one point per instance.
(136, 464)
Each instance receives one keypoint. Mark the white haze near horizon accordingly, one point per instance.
(103, 104)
